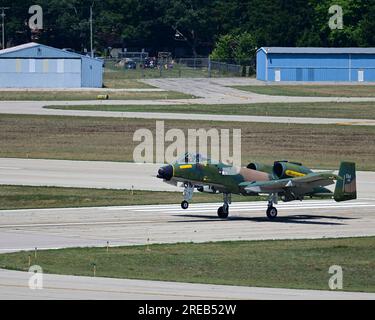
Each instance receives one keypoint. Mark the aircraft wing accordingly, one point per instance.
(306, 182)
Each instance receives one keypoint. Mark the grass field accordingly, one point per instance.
(313, 90)
(25, 197)
(300, 264)
(117, 80)
(350, 110)
(111, 139)
(87, 95)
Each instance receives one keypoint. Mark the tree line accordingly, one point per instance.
(232, 28)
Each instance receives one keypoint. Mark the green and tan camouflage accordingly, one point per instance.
(346, 187)
(284, 180)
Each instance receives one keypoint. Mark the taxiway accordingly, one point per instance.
(14, 285)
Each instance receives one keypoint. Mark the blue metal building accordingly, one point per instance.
(34, 65)
(316, 64)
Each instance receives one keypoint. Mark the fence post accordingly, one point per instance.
(142, 67)
(209, 66)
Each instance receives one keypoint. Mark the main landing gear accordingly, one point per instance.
(223, 211)
(272, 211)
(188, 195)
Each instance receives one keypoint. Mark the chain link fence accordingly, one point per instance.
(178, 68)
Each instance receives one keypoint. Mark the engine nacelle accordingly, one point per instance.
(285, 169)
(260, 167)
(207, 189)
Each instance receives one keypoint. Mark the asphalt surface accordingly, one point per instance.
(15, 284)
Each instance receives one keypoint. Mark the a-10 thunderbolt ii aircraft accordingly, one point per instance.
(288, 181)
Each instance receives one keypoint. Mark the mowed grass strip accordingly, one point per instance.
(313, 90)
(111, 139)
(348, 110)
(88, 95)
(299, 264)
(117, 80)
(28, 197)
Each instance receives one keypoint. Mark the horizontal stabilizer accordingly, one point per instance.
(311, 181)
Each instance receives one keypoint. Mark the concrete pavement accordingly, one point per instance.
(99, 90)
(14, 285)
(81, 174)
(209, 91)
(137, 225)
(60, 228)
(218, 91)
(37, 108)
(109, 175)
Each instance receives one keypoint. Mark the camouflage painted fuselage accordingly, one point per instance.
(227, 179)
(224, 178)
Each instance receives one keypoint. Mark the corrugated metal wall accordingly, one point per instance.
(40, 73)
(261, 65)
(46, 67)
(92, 73)
(316, 67)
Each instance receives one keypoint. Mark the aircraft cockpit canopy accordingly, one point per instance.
(192, 158)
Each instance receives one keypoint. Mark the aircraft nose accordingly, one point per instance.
(165, 173)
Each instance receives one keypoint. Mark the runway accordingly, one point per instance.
(15, 285)
(60, 228)
(109, 175)
(136, 225)
(81, 174)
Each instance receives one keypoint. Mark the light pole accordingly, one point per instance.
(3, 24)
(91, 31)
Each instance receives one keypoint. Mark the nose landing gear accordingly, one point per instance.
(188, 195)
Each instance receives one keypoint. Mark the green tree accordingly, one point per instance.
(196, 20)
(239, 48)
(352, 34)
(152, 24)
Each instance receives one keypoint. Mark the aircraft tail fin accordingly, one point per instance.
(346, 188)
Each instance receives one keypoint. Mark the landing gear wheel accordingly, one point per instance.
(184, 205)
(223, 212)
(271, 213)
